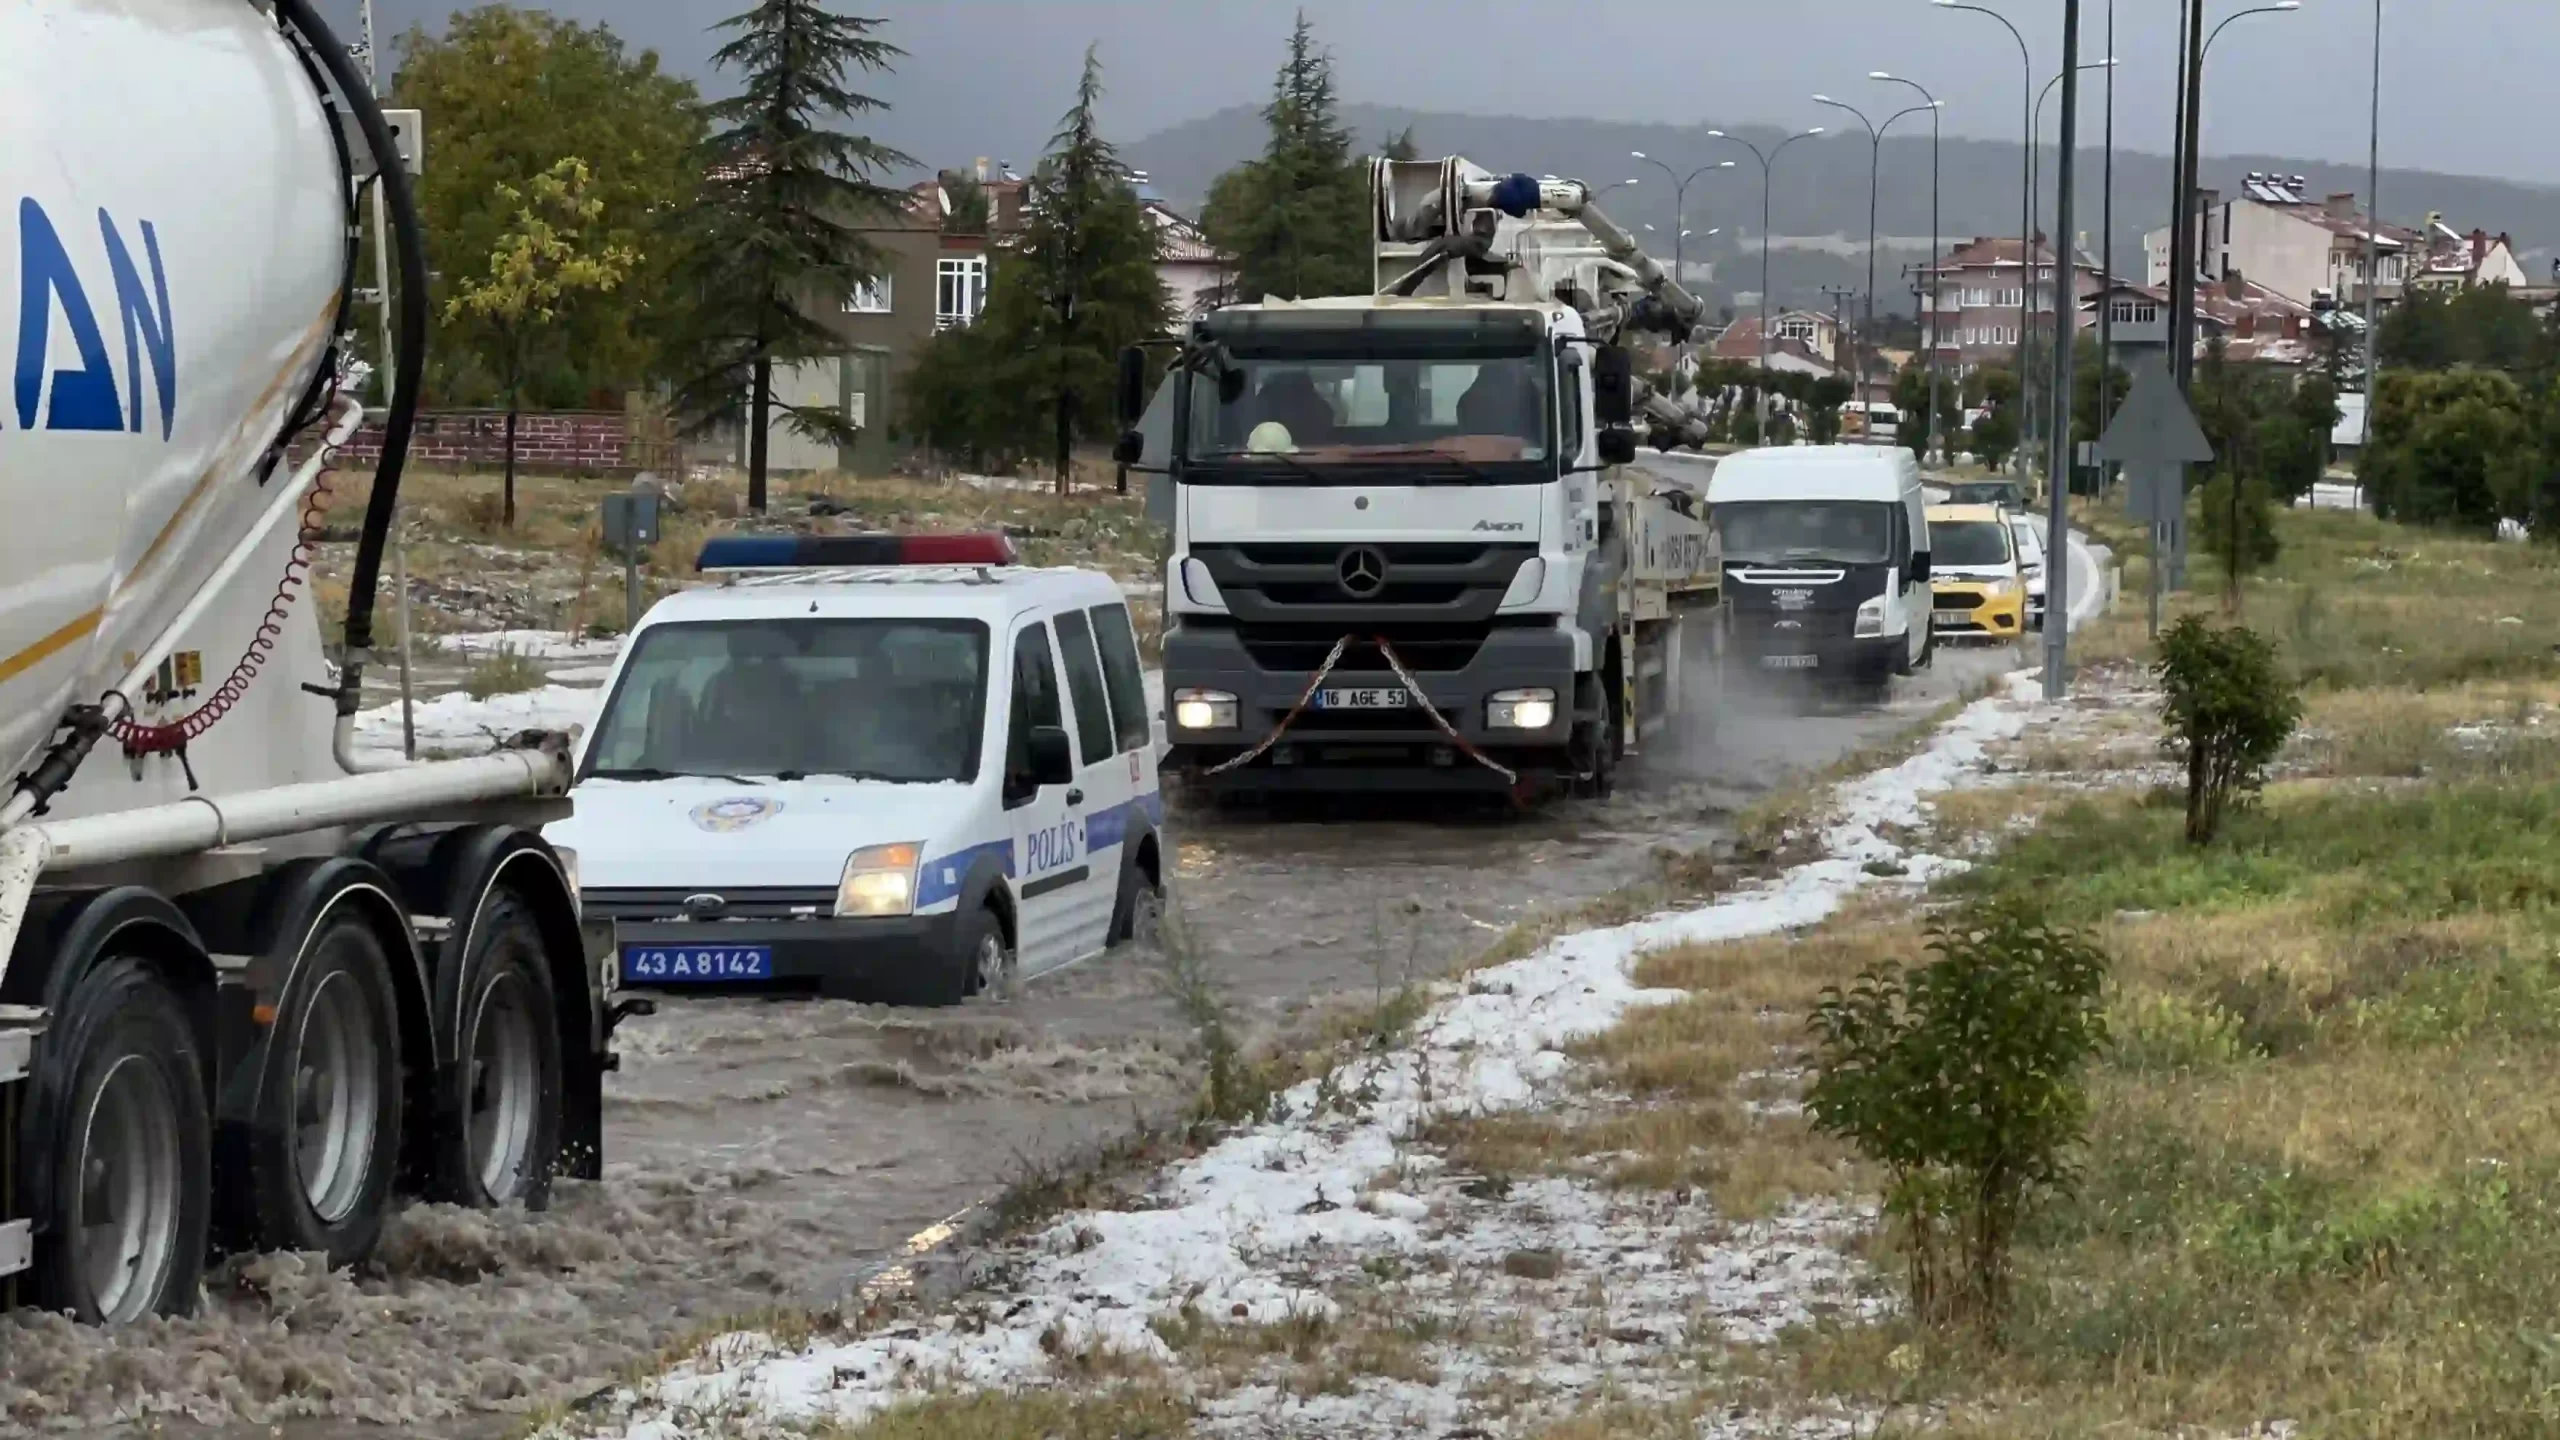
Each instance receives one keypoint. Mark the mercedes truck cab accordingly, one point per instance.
(1826, 562)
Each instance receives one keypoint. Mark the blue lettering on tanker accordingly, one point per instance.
(86, 396)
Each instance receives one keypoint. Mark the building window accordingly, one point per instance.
(2128, 312)
(869, 297)
(959, 290)
(1796, 330)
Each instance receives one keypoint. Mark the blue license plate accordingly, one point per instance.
(695, 964)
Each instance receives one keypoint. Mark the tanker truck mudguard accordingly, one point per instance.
(253, 985)
(1412, 549)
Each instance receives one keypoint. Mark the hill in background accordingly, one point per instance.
(1819, 206)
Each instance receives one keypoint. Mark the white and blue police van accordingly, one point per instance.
(874, 766)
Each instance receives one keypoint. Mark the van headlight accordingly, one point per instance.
(879, 880)
(1871, 618)
(1520, 710)
(1203, 710)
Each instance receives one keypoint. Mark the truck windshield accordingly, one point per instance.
(1463, 419)
(791, 698)
(1804, 532)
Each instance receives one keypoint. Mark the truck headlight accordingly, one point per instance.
(1871, 618)
(1203, 710)
(1521, 710)
(879, 880)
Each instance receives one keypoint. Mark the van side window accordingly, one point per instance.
(1120, 668)
(1901, 535)
(1084, 686)
(1035, 703)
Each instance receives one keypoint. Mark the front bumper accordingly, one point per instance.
(834, 956)
(1829, 655)
(1381, 749)
(1979, 611)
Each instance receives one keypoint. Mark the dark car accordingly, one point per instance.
(2008, 494)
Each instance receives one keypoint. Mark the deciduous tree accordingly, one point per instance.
(548, 256)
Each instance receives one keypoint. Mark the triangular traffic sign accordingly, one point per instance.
(2156, 427)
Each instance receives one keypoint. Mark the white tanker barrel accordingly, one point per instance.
(173, 231)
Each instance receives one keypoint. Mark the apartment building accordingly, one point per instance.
(1971, 300)
(2310, 251)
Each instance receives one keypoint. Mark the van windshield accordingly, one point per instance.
(790, 698)
(1805, 532)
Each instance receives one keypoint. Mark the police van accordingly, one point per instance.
(889, 767)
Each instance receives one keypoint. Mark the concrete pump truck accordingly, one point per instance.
(1411, 547)
(252, 985)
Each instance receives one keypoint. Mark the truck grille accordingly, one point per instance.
(1419, 582)
(740, 902)
(1299, 649)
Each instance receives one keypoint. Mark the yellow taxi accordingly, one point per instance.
(1977, 586)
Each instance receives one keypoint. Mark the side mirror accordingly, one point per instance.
(1129, 449)
(1132, 397)
(1613, 387)
(1618, 445)
(1051, 757)
(1920, 567)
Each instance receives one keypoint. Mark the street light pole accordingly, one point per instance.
(2057, 584)
(2372, 253)
(2056, 407)
(1768, 160)
(1866, 327)
(1679, 204)
(1930, 331)
(2182, 293)
(2107, 251)
(2026, 199)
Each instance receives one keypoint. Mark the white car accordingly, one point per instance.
(867, 765)
(2031, 565)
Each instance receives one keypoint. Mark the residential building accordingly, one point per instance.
(2257, 325)
(2460, 262)
(1197, 276)
(1971, 300)
(1801, 341)
(2306, 250)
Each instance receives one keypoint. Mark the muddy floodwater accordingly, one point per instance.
(781, 1153)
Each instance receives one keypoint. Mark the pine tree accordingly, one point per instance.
(1296, 218)
(1078, 286)
(777, 231)
(1401, 146)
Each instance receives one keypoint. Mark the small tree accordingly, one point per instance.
(2238, 516)
(2227, 709)
(541, 262)
(1962, 1079)
(1822, 408)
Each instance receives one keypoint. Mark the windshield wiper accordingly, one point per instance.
(652, 772)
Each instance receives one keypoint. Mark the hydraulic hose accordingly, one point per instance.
(401, 198)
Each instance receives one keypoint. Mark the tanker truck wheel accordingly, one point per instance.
(324, 1145)
(132, 1189)
(498, 1112)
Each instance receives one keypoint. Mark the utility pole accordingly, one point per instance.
(1840, 296)
(2057, 581)
(2182, 246)
(2372, 254)
(2107, 255)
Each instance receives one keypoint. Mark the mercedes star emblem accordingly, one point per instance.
(1362, 572)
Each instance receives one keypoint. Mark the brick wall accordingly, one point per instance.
(573, 441)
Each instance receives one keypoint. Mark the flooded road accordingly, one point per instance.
(774, 1153)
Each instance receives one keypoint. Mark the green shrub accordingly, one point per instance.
(504, 672)
(2228, 708)
(1962, 1078)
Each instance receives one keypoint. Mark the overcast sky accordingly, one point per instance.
(2466, 83)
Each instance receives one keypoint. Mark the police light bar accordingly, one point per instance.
(829, 552)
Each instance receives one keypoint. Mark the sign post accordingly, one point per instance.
(2155, 438)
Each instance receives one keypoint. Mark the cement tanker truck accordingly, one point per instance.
(252, 987)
